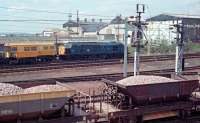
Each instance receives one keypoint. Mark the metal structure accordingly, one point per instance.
(137, 36)
(179, 48)
(56, 45)
(77, 21)
(125, 49)
(140, 10)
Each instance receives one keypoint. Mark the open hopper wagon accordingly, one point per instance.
(142, 90)
(33, 105)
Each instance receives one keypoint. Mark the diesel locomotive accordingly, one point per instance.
(31, 52)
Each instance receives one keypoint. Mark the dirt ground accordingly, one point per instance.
(89, 87)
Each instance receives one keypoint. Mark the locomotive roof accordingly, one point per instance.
(25, 38)
(95, 42)
(28, 43)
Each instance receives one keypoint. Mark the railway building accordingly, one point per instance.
(159, 27)
(113, 30)
(83, 28)
(116, 28)
(52, 32)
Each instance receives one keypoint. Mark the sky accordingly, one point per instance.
(106, 9)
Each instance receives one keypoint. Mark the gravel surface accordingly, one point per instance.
(44, 88)
(9, 89)
(105, 69)
(142, 80)
(196, 95)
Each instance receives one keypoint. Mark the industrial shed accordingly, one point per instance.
(159, 27)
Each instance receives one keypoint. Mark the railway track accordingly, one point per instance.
(113, 76)
(86, 63)
(59, 66)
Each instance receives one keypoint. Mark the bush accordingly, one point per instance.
(165, 48)
(192, 47)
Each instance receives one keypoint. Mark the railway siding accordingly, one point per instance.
(78, 64)
(93, 70)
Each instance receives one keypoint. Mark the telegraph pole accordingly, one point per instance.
(77, 19)
(140, 10)
(56, 38)
(179, 48)
(69, 20)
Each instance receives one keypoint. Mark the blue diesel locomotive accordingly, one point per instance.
(78, 50)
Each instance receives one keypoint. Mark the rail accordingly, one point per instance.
(113, 76)
(85, 63)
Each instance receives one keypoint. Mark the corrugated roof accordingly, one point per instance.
(25, 38)
(87, 26)
(70, 23)
(118, 20)
(92, 27)
(167, 16)
(185, 16)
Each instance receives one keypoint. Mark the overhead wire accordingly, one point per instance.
(39, 21)
(52, 12)
(31, 21)
(57, 20)
(45, 21)
(36, 21)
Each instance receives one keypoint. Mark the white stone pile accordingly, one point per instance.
(196, 95)
(44, 88)
(143, 79)
(9, 89)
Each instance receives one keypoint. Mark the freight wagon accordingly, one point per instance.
(78, 50)
(35, 106)
(143, 90)
(144, 98)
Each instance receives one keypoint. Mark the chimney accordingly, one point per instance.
(93, 20)
(85, 20)
(100, 20)
(70, 17)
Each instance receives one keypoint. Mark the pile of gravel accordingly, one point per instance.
(142, 80)
(9, 89)
(196, 95)
(44, 88)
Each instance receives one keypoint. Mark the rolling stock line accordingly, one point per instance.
(89, 60)
(113, 76)
(86, 63)
(98, 98)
